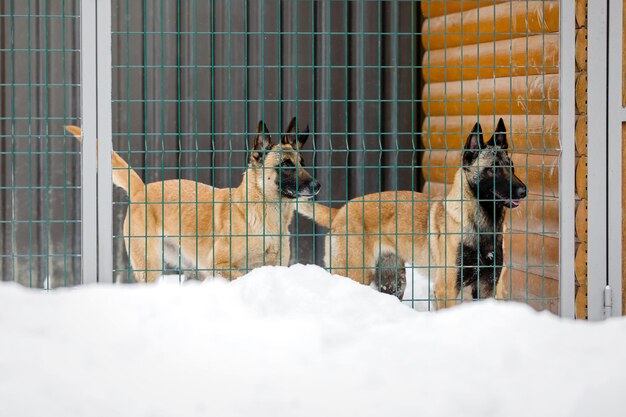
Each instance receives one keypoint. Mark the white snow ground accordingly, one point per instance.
(296, 342)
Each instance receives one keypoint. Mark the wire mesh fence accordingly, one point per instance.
(39, 165)
(391, 92)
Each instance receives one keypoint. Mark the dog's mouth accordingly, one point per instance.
(303, 193)
(289, 193)
(306, 190)
(508, 202)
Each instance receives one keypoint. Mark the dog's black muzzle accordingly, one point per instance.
(518, 192)
(303, 190)
(309, 190)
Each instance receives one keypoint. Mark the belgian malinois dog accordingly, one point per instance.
(459, 237)
(216, 231)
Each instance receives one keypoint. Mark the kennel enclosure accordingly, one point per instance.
(390, 89)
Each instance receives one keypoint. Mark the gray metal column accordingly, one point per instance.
(105, 140)
(96, 158)
(617, 116)
(597, 158)
(89, 122)
(567, 184)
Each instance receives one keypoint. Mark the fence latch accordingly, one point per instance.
(608, 301)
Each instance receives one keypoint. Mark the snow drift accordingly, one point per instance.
(296, 341)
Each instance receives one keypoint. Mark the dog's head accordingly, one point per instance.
(281, 164)
(489, 169)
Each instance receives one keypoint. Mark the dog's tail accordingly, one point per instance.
(123, 176)
(319, 213)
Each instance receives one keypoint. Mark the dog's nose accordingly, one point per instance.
(521, 191)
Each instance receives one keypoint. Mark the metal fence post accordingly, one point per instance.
(567, 193)
(96, 123)
(89, 63)
(105, 143)
(617, 116)
(597, 159)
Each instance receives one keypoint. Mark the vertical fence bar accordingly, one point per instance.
(567, 185)
(597, 158)
(105, 140)
(89, 105)
(97, 221)
(616, 118)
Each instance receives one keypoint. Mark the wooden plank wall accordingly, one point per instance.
(491, 59)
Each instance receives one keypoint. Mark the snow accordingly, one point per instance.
(420, 289)
(299, 342)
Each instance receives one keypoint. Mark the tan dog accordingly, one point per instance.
(216, 231)
(459, 238)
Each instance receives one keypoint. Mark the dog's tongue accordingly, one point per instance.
(514, 203)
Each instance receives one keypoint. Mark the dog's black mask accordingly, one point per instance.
(293, 179)
(489, 168)
(295, 182)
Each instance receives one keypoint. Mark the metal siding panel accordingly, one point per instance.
(64, 107)
(297, 98)
(128, 114)
(195, 110)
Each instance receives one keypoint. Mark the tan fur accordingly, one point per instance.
(322, 214)
(426, 233)
(123, 176)
(225, 231)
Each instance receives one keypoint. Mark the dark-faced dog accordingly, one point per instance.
(492, 186)
(458, 238)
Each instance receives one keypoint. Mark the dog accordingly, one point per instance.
(223, 231)
(460, 237)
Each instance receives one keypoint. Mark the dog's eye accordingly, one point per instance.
(286, 163)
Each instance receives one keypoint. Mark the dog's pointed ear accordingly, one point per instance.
(262, 141)
(499, 137)
(294, 137)
(303, 137)
(473, 145)
(290, 135)
(76, 131)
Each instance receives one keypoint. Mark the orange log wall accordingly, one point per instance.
(581, 158)
(489, 59)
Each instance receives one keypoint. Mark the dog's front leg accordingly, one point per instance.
(446, 287)
(226, 259)
(285, 250)
(223, 267)
(228, 271)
